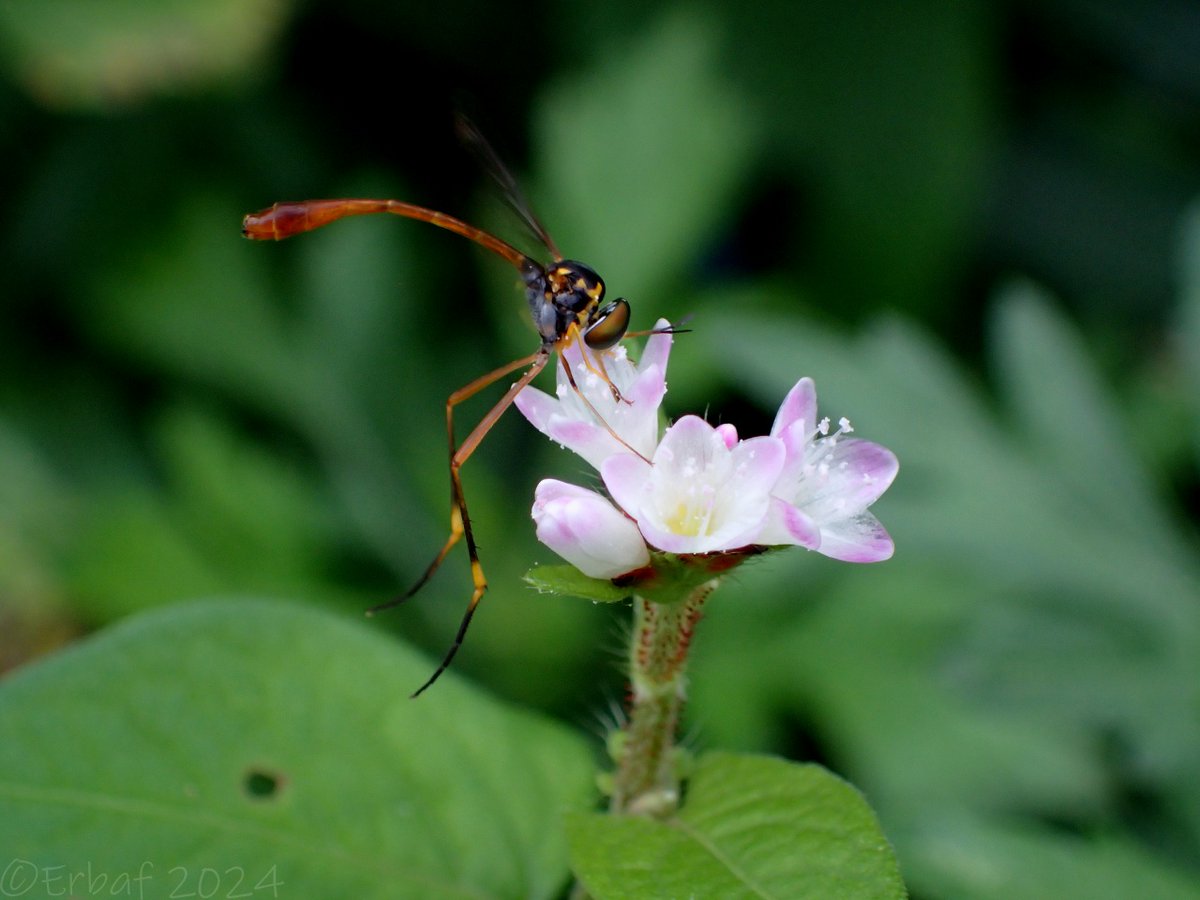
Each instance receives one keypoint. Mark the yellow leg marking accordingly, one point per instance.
(460, 519)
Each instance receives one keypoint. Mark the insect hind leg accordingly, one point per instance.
(460, 519)
(460, 527)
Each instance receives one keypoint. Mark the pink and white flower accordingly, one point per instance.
(700, 490)
(567, 420)
(586, 530)
(827, 482)
(699, 493)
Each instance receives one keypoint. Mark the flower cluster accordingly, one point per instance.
(698, 489)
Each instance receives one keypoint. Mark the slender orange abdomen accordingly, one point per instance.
(282, 220)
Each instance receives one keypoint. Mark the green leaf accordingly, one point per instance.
(232, 516)
(81, 54)
(1061, 405)
(277, 741)
(751, 826)
(36, 516)
(959, 857)
(570, 581)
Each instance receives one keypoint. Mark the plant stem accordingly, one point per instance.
(647, 778)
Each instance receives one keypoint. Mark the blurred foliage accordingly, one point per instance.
(67, 58)
(973, 227)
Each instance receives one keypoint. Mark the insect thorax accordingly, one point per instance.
(560, 294)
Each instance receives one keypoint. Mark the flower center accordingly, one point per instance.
(688, 501)
(692, 515)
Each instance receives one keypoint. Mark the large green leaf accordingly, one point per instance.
(280, 742)
(751, 826)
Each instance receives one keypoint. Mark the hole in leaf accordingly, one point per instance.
(260, 784)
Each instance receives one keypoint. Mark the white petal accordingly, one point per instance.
(625, 476)
(840, 478)
(658, 348)
(586, 418)
(698, 496)
(537, 406)
(860, 539)
(785, 524)
(756, 464)
(800, 405)
(587, 531)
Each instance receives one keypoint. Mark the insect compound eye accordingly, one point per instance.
(609, 327)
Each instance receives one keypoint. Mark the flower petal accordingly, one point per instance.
(658, 347)
(827, 483)
(860, 539)
(800, 405)
(587, 419)
(648, 389)
(840, 478)
(537, 406)
(587, 531)
(698, 496)
(757, 462)
(625, 476)
(787, 525)
(545, 413)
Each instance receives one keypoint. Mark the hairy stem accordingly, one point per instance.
(647, 779)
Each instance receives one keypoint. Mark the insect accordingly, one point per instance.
(566, 302)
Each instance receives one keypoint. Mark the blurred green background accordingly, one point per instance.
(972, 224)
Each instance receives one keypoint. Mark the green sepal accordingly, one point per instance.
(672, 578)
(570, 581)
(669, 577)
